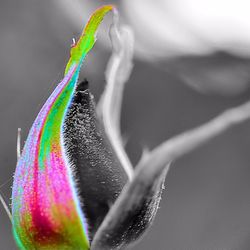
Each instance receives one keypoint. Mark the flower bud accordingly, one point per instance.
(67, 176)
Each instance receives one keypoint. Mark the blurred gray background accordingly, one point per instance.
(206, 203)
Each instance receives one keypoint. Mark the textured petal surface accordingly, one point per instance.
(45, 205)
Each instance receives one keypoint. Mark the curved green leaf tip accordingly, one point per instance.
(88, 37)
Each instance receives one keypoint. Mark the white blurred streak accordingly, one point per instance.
(118, 72)
(177, 27)
(224, 24)
(159, 32)
(18, 148)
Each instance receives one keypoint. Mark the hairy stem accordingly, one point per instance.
(157, 161)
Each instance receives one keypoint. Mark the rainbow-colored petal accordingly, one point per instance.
(46, 209)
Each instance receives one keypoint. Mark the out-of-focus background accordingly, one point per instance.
(192, 62)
